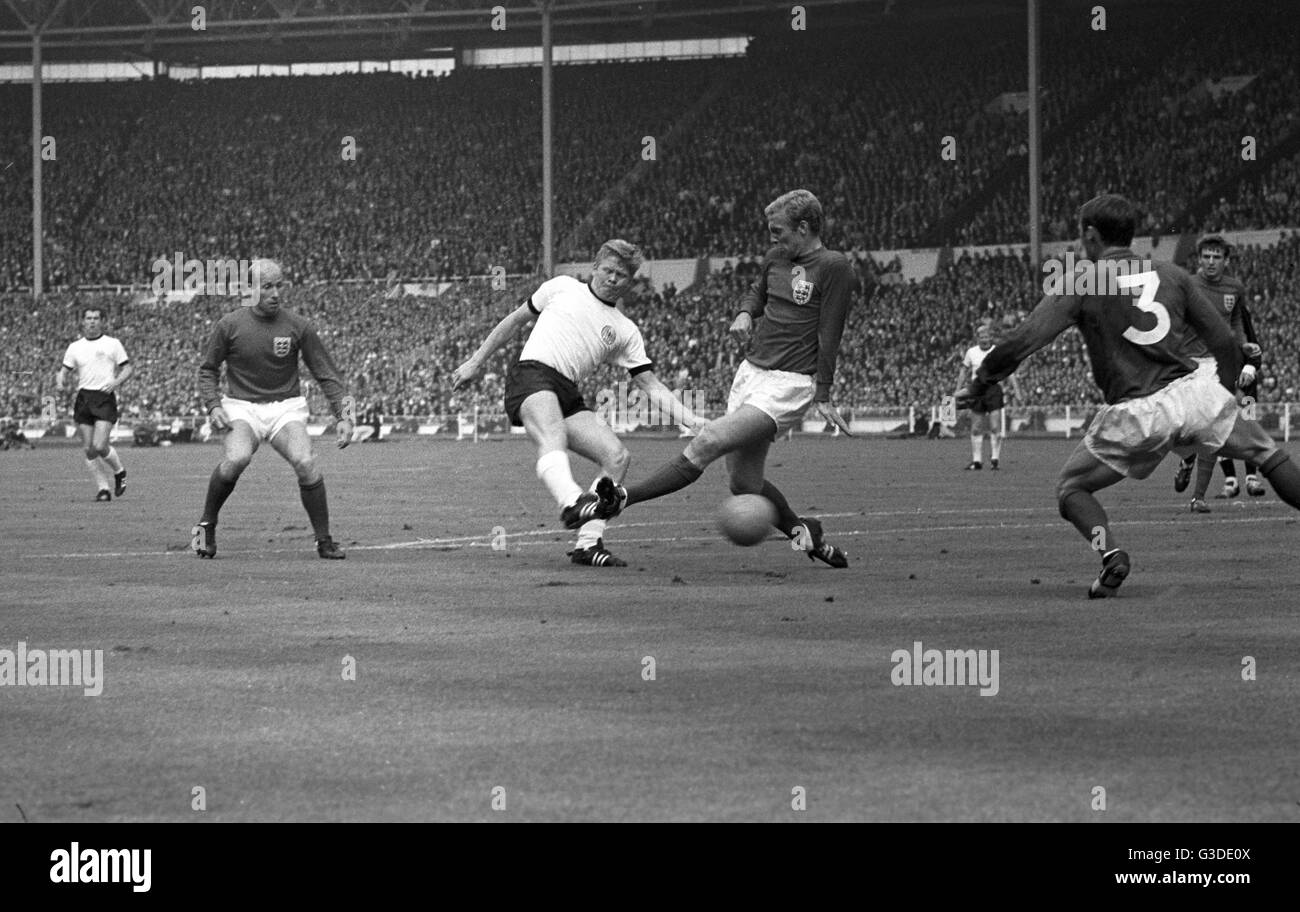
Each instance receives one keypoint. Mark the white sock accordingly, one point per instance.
(103, 481)
(995, 445)
(113, 462)
(590, 533)
(553, 469)
(976, 447)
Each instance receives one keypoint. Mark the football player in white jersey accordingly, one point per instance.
(579, 327)
(986, 415)
(101, 366)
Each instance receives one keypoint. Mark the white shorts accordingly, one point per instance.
(1192, 414)
(781, 395)
(266, 418)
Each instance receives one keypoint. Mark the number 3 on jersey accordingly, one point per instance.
(1148, 282)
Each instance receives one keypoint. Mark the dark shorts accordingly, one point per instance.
(528, 377)
(991, 401)
(93, 405)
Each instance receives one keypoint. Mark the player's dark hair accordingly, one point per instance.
(87, 311)
(1114, 217)
(1214, 240)
(797, 206)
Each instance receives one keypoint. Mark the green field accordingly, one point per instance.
(481, 669)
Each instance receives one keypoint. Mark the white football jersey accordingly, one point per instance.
(974, 358)
(576, 332)
(95, 361)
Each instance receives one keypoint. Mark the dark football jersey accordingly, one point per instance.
(1228, 295)
(803, 304)
(1136, 335)
(261, 358)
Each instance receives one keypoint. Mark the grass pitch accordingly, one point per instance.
(509, 676)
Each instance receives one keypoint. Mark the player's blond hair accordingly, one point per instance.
(795, 207)
(627, 253)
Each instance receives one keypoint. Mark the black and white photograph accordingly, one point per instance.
(576, 411)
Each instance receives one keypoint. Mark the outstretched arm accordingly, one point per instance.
(501, 333)
(1053, 315)
(668, 404)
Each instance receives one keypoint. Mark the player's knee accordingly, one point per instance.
(92, 452)
(616, 463)
(306, 469)
(706, 446)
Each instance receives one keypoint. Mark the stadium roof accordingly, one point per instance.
(290, 31)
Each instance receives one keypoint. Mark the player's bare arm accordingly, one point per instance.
(123, 375)
(963, 376)
(1015, 388)
(666, 402)
(514, 321)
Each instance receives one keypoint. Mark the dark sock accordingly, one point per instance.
(786, 518)
(673, 475)
(1284, 476)
(1252, 468)
(1228, 470)
(313, 498)
(1190, 461)
(1087, 515)
(1204, 470)
(218, 490)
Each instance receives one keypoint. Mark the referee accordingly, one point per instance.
(101, 366)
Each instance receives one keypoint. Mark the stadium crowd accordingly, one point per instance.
(1172, 134)
(367, 176)
(901, 348)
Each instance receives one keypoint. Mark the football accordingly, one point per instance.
(746, 519)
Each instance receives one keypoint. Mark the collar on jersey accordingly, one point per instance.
(599, 298)
(1117, 253)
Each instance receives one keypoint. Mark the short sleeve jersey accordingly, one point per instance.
(974, 358)
(95, 360)
(576, 332)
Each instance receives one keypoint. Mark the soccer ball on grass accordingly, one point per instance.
(746, 519)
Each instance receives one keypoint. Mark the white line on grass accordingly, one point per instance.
(485, 540)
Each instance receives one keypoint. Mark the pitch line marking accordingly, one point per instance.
(484, 541)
